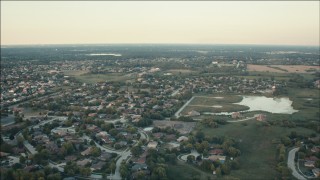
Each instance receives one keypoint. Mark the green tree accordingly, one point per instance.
(112, 167)
(22, 159)
(190, 158)
(136, 151)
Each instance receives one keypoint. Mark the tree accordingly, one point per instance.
(160, 171)
(136, 151)
(112, 166)
(124, 172)
(218, 172)
(200, 135)
(85, 171)
(225, 168)
(55, 176)
(22, 159)
(95, 151)
(190, 158)
(92, 143)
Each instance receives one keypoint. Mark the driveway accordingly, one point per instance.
(291, 164)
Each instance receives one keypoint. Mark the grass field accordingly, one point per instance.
(187, 172)
(213, 100)
(85, 77)
(93, 78)
(215, 104)
(307, 101)
(258, 154)
(282, 68)
(224, 108)
(178, 71)
(74, 72)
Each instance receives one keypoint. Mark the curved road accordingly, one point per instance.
(291, 164)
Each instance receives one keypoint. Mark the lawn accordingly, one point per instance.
(258, 153)
(74, 72)
(186, 172)
(215, 104)
(224, 108)
(213, 100)
(307, 101)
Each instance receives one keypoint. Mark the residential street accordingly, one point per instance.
(291, 164)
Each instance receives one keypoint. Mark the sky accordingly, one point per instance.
(177, 22)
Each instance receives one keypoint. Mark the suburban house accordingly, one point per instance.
(217, 158)
(316, 172)
(216, 152)
(193, 113)
(84, 162)
(235, 115)
(309, 164)
(182, 138)
(86, 152)
(98, 166)
(152, 145)
(261, 117)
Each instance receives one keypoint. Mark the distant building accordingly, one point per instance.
(316, 172)
(193, 113)
(235, 115)
(217, 158)
(261, 117)
(152, 145)
(182, 138)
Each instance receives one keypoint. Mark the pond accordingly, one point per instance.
(273, 105)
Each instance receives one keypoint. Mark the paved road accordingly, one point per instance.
(35, 98)
(177, 114)
(117, 120)
(61, 118)
(176, 92)
(123, 156)
(143, 135)
(101, 147)
(291, 164)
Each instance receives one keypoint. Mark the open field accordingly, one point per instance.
(187, 172)
(74, 72)
(93, 78)
(224, 108)
(178, 71)
(307, 101)
(213, 100)
(283, 68)
(215, 104)
(181, 127)
(258, 153)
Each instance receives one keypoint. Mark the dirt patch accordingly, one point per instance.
(283, 68)
(181, 127)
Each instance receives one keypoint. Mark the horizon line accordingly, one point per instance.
(208, 44)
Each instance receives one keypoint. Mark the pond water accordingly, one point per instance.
(272, 105)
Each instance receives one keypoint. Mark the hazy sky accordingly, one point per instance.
(209, 22)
